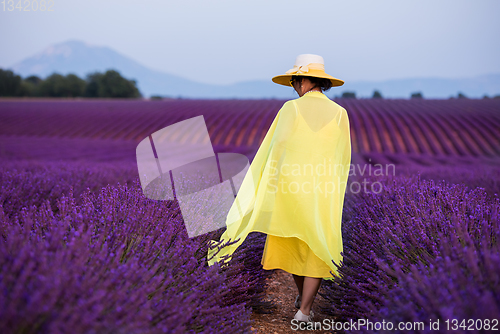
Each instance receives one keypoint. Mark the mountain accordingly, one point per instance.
(81, 58)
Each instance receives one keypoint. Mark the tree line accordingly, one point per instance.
(415, 95)
(108, 84)
(377, 95)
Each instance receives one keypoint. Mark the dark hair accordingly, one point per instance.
(321, 83)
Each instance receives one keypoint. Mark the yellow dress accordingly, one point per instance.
(294, 256)
(294, 190)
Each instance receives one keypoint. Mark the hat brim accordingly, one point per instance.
(284, 79)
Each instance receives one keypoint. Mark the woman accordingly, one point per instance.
(294, 188)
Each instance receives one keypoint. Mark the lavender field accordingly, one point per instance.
(84, 251)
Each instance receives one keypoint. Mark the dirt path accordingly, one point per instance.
(282, 291)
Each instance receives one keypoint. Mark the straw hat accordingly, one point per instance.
(307, 65)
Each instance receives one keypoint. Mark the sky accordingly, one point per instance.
(224, 42)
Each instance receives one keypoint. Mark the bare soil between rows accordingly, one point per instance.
(282, 291)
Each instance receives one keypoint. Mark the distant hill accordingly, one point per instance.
(78, 57)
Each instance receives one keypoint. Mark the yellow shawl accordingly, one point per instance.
(296, 182)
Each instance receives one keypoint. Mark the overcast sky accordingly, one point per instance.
(234, 40)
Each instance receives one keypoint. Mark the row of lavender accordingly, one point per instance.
(76, 255)
(421, 250)
(427, 127)
(115, 236)
(109, 260)
(430, 127)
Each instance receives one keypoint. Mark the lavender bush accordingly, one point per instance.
(478, 174)
(418, 250)
(459, 285)
(32, 182)
(118, 263)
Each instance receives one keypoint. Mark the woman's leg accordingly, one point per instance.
(299, 282)
(309, 290)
